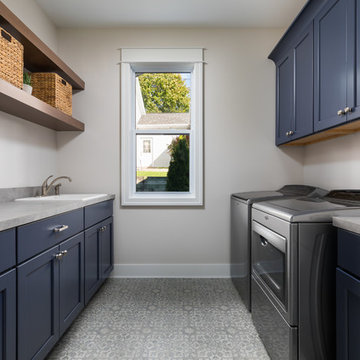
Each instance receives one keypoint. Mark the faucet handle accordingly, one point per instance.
(57, 189)
(46, 180)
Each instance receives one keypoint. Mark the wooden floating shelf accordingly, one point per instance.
(37, 55)
(17, 102)
(341, 130)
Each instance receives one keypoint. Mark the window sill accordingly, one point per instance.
(162, 199)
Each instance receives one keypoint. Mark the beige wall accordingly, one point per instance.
(334, 164)
(239, 90)
(27, 151)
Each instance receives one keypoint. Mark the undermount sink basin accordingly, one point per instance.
(62, 197)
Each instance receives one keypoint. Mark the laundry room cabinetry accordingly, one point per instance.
(323, 100)
(348, 296)
(294, 79)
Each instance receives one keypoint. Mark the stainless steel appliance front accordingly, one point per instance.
(274, 262)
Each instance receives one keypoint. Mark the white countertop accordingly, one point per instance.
(15, 213)
(347, 223)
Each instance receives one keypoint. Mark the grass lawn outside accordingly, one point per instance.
(148, 173)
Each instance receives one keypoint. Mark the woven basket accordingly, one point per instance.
(52, 89)
(11, 59)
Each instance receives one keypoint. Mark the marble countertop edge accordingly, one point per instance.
(17, 213)
(347, 223)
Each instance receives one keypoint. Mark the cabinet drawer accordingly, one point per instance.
(7, 249)
(38, 236)
(98, 212)
(349, 251)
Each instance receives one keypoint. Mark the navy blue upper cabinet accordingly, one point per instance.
(285, 93)
(294, 83)
(333, 63)
(322, 100)
(304, 84)
(354, 72)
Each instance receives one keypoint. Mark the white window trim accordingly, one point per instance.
(160, 60)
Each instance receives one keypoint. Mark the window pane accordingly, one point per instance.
(163, 100)
(162, 163)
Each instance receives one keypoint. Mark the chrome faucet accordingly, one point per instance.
(45, 188)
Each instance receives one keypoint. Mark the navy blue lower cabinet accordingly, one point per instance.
(92, 262)
(347, 316)
(107, 248)
(71, 280)
(99, 255)
(38, 305)
(8, 315)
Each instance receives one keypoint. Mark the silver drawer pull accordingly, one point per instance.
(61, 228)
(64, 252)
(59, 256)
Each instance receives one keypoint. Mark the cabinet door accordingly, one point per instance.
(8, 315)
(107, 248)
(284, 98)
(92, 262)
(354, 58)
(71, 280)
(347, 316)
(332, 62)
(304, 85)
(38, 305)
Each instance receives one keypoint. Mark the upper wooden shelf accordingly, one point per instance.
(37, 55)
(17, 102)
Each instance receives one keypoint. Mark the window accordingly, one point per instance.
(161, 127)
(146, 146)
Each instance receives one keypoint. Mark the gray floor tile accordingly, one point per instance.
(163, 319)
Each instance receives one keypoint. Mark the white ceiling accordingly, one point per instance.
(176, 13)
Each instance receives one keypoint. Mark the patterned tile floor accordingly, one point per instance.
(187, 319)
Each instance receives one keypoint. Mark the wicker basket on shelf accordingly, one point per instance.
(11, 59)
(52, 89)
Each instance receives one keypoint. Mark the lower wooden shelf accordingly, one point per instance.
(17, 102)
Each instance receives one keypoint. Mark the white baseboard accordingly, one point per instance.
(171, 271)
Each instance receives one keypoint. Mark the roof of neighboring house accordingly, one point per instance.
(164, 121)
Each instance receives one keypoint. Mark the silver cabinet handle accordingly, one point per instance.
(347, 110)
(291, 132)
(103, 228)
(59, 256)
(287, 133)
(61, 228)
(341, 112)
